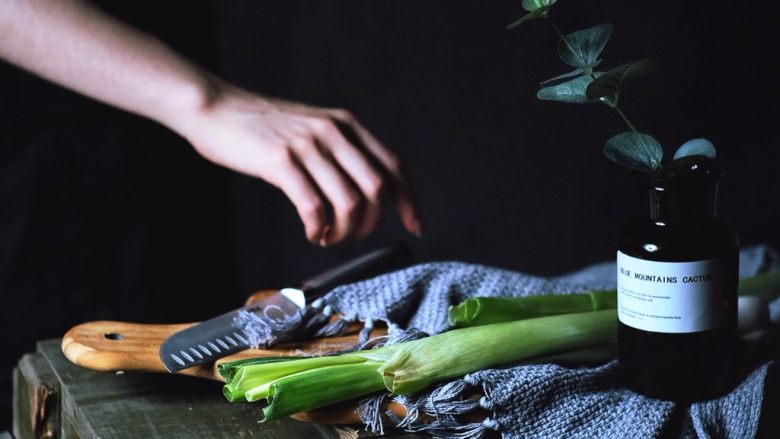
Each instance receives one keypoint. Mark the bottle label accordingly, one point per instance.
(669, 297)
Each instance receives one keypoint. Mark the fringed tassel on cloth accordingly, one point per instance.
(435, 413)
(370, 412)
(271, 325)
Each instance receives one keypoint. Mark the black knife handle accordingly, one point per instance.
(363, 267)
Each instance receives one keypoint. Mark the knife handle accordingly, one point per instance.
(363, 267)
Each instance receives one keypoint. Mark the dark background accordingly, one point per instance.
(104, 215)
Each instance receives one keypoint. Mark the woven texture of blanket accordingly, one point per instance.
(540, 401)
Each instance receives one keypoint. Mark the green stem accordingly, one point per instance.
(625, 119)
(563, 37)
(648, 149)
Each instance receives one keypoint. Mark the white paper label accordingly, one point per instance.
(670, 297)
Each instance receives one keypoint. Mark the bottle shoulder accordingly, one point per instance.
(653, 240)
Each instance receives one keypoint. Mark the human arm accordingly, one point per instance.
(300, 149)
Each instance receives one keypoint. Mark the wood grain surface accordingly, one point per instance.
(109, 346)
(112, 346)
(36, 399)
(156, 406)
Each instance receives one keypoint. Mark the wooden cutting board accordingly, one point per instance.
(110, 346)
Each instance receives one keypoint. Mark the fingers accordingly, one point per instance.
(368, 180)
(302, 151)
(335, 185)
(399, 188)
(295, 183)
(352, 179)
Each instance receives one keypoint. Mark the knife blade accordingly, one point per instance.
(223, 335)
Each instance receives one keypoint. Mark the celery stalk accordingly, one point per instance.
(306, 384)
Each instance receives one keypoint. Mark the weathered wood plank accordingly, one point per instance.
(148, 405)
(36, 399)
(109, 405)
(67, 429)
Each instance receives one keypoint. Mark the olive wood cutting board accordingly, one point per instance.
(110, 346)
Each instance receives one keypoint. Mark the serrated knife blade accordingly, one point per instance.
(224, 335)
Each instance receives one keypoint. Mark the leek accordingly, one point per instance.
(766, 286)
(586, 356)
(308, 383)
(478, 311)
(228, 370)
(486, 310)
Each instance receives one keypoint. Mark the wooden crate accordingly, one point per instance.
(54, 398)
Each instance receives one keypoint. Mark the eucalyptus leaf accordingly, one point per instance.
(570, 92)
(637, 151)
(538, 13)
(608, 86)
(698, 146)
(579, 71)
(533, 5)
(583, 47)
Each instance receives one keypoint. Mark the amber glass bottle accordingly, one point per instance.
(677, 288)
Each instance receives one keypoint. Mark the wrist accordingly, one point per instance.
(187, 106)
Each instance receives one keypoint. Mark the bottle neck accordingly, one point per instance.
(689, 201)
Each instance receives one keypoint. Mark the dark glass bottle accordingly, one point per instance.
(677, 288)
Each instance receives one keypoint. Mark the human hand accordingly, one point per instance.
(318, 157)
(314, 155)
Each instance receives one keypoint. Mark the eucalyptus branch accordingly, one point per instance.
(625, 119)
(581, 49)
(647, 143)
(560, 34)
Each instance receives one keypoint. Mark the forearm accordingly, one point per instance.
(76, 45)
(300, 149)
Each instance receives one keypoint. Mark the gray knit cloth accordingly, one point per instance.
(539, 401)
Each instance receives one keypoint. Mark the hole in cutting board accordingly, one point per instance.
(113, 336)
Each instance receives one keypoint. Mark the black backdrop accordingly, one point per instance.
(106, 215)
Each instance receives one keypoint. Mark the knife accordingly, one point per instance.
(221, 336)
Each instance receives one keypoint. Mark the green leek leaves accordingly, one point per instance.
(478, 311)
